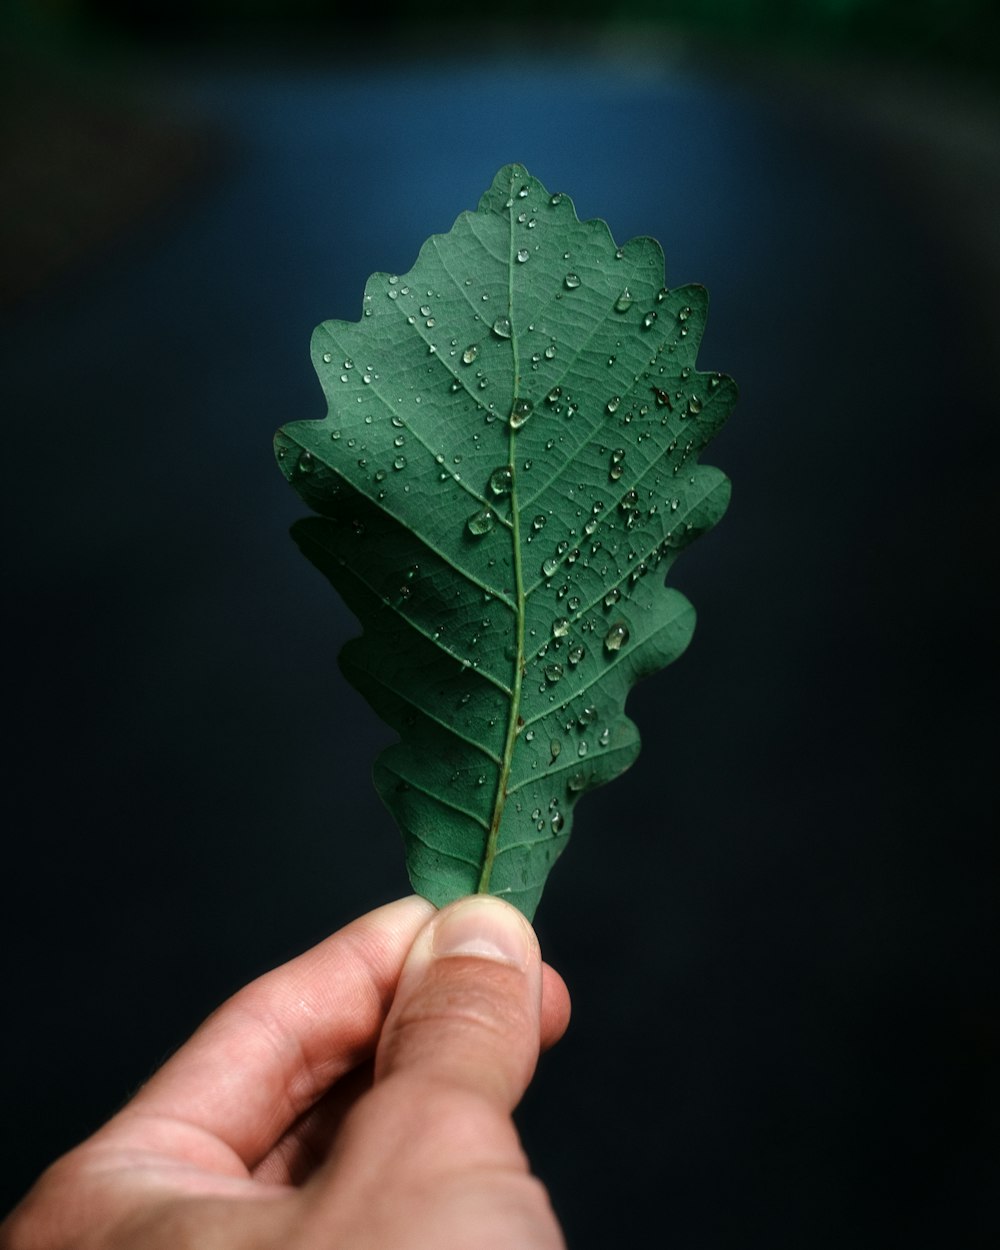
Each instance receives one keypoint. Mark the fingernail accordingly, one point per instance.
(485, 928)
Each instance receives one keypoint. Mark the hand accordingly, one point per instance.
(359, 1096)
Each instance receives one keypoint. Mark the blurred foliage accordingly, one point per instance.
(961, 33)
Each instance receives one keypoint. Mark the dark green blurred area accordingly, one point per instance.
(960, 33)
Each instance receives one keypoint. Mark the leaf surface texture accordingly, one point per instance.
(508, 469)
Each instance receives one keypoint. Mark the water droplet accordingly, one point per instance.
(553, 395)
(694, 405)
(576, 782)
(648, 320)
(399, 462)
(539, 521)
(624, 301)
(470, 353)
(480, 522)
(615, 471)
(425, 310)
(612, 597)
(520, 412)
(327, 357)
(549, 566)
(661, 294)
(522, 255)
(552, 672)
(613, 403)
(555, 746)
(502, 480)
(571, 282)
(560, 627)
(306, 463)
(550, 351)
(366, 378)
(557, 821)
(575, 654)
(522, 193)
(555, 199)
(581, 749)
(605, 737)
(348, 363)
(501, 327)
(616, 637)
(684, 313)
(530, 737)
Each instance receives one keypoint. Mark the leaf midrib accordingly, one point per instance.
(490, 850)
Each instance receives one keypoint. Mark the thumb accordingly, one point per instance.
(467, 1009)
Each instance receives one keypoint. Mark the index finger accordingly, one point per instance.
(271, 1050)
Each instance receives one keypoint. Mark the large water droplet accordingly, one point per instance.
(539, 521)
(549, 566)
(560, 627)
(470, 353)
(305, 463)
(694, 405)
(502, 480)
(327, 357)
(399, 462)
(575, 654)
(522, 255)
(613, 403)
(480, 522)
(520, 412)
(501, 327)
(648, 320)
(577, 782)
(557, 822)
(624, 301)
(571, 282)
(552, 672)
(616, 637)
(684, 313)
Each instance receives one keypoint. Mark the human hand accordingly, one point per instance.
(359, 1096)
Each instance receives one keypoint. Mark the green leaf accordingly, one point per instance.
(507, 470)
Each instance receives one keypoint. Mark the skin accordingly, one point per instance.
(358, 1096)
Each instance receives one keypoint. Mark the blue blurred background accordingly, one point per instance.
(780, 929)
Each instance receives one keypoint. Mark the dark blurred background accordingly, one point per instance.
(780, 930)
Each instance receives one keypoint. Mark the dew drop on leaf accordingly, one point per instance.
(571, 282)
(648, 320)
(470, 353)
(624, 301)
(501, 327)
(552, 672)
(520, 412)
(522, 255)
(480, 522)
(560, 627)
(616, 637)
(502, 480)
